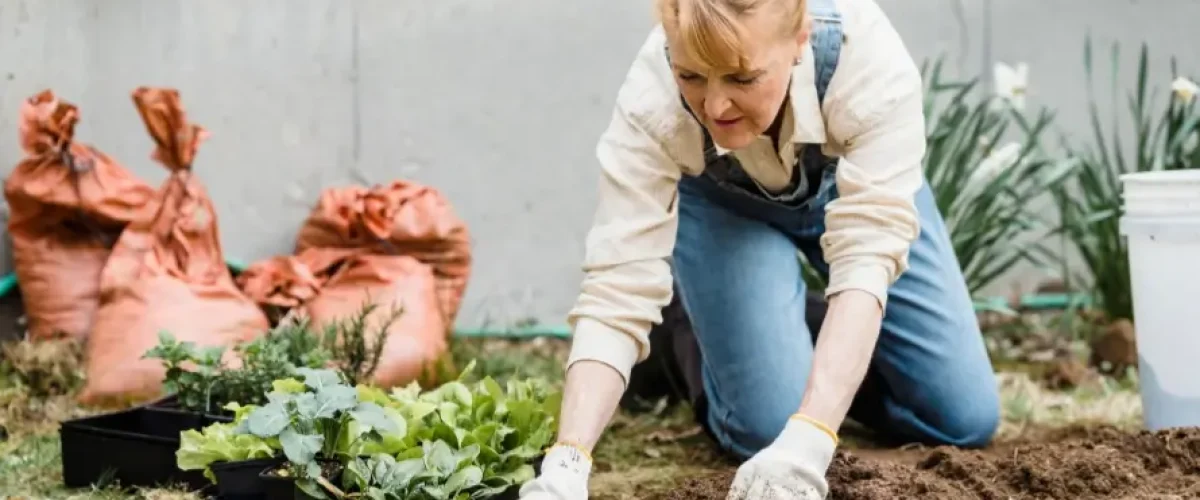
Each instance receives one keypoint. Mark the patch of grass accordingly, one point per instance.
(639, 456)
(651, 452)
(30, 468)
(503, 359)
(38, 381)
(1029, 406)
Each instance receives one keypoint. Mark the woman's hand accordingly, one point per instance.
(590, 397)
(564, 476)
(793, 466)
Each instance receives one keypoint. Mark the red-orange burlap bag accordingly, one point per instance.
(402, 218)
(334, 284)
(165, 273)
(68, 203)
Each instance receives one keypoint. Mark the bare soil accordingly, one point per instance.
(1099, 463)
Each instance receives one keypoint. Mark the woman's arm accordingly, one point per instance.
(591, 395)
(627, 280)
(875, 116)
(842, 355)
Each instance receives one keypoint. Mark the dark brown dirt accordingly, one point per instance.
(1102, 463)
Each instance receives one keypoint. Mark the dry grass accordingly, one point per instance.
(1030, 406)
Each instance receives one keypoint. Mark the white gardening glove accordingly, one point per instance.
(793, 466)
(564, 476)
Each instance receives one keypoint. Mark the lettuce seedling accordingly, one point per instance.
(220, 442)
(463, 440)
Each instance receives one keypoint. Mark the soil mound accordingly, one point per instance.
(1104, 463)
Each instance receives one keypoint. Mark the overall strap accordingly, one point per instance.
(826, 39)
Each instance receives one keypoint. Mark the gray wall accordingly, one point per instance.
(496, 103)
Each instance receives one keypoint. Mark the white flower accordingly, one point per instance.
(1185, 90)
(996, 162)
(1011, 83)
(986, 172)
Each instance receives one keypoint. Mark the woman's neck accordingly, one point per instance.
(776, 128)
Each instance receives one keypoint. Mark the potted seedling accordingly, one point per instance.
(229, 458)
(320, 423)
(234, 462)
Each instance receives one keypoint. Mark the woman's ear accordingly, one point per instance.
(802, 36)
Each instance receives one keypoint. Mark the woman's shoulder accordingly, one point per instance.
(650, 98)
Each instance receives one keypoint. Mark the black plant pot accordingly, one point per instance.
(284, 488)
(241, 480)
(135, 447)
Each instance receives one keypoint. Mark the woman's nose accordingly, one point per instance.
(716, 102)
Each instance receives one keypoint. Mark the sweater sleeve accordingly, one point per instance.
(627, 278)
(875, 117)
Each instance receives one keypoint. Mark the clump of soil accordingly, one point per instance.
(1115, 349)
(1068, 373)
(1104, 463)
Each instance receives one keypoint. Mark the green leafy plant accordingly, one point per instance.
(194, 387)
(202, 381)
(439, 472)
(1090, 208)
(985, 187)
(464, 440)
(318, 423)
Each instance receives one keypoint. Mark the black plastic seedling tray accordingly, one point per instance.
(134, 447)
(241, 481)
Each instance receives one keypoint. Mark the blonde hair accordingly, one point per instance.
(710, 30)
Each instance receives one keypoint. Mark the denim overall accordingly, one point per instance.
(737, 272)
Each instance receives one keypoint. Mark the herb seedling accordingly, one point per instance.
(355, 346)
(210, 384)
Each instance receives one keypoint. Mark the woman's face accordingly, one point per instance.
(738, 106)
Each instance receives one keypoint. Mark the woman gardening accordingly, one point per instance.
(746, 132)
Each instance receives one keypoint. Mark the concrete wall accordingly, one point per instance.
(496, 103)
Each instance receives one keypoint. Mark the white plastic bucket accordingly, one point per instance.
(1168, 193)
(1162, 227)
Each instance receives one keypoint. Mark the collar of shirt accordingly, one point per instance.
(803, 115)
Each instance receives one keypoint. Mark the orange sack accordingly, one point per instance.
(334, 284)
(68, 203)
(402, 218)
(166, 273)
